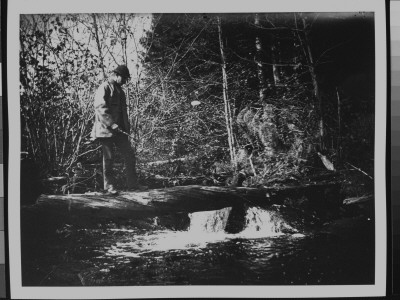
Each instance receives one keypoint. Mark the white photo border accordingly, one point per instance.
(17, 7)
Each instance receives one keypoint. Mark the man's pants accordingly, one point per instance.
(122, 143)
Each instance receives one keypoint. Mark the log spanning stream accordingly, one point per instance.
(190, 239)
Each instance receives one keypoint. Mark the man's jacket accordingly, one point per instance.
(110, 107)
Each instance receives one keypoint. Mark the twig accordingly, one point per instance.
(82, 280)
(89, 151)
(251, 164)
(86, 179)
(358, 169)
(48, 274)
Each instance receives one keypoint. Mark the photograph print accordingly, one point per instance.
(198, 149)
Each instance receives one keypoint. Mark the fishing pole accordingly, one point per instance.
(125, 133)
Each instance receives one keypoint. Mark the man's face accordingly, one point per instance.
(121, 80)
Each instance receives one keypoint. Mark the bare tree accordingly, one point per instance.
(96, 36)
(258, 60)
(305, 42)
(227, 105)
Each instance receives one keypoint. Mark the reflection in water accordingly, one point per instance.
(205, 227)
(229, 260)
(266, 252)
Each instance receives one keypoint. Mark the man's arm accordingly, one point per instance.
(101, 106)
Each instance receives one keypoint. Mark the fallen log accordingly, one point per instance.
(169, 161)
(357, 200)
(182, 199)
(86, 210)
(152, 202)
(363, 205)
(169, 207)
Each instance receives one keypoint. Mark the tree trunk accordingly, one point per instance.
(48, 141)
(96, 30)
(275, 59)
(124, 40)
(314, 79)
(258, 60)
(339, 139)
(228, 113)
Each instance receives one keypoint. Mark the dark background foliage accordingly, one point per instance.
(298, 86)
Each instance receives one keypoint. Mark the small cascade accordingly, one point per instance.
(258, 222)
(209, 221)
(263, 223)
(206, 227)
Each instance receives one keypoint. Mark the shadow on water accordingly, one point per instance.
(268, 251)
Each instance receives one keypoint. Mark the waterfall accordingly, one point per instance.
(257, 222)
(209, 221)
(206, 227)
(263, 223)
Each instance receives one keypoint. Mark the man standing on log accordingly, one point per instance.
(111, 128)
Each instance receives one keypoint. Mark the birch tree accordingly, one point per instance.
(227, 104)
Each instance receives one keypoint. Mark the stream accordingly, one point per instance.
(267, 251)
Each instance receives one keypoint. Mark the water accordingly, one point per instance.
(209, 221)
(268, 251)
(206, 227)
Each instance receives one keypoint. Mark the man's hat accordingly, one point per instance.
(123, 71)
